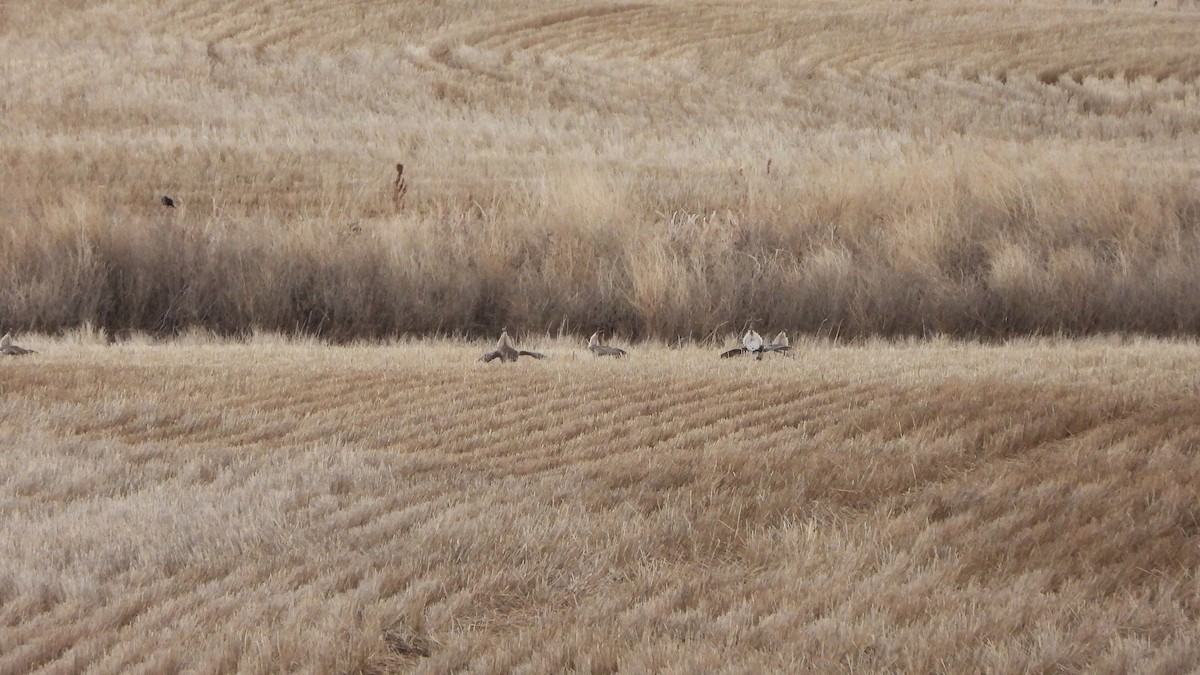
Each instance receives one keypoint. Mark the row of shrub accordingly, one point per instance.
(974, 250)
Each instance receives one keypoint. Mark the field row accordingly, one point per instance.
(933, 507)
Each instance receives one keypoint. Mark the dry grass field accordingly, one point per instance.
(851, 168)
(880, 178)
(898, 507)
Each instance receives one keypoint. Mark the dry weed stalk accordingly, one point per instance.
(399, 188)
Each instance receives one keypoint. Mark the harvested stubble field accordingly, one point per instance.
(915, 507)
(667, 170)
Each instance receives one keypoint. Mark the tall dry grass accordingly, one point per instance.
(967, 169)
(919, 507)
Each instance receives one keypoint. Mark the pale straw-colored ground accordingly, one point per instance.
(666, 169)
(919, 507)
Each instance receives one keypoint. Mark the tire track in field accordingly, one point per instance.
(444, 55)
(694, 417)
(691, 57)
(845, 43)
(620, 427)
(532, 419)
(263, 24)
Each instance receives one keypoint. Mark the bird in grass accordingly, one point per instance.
(168, 202)
(752, 343)
(9, 348)
(780, 344)
(603, 350)
(506, 352)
